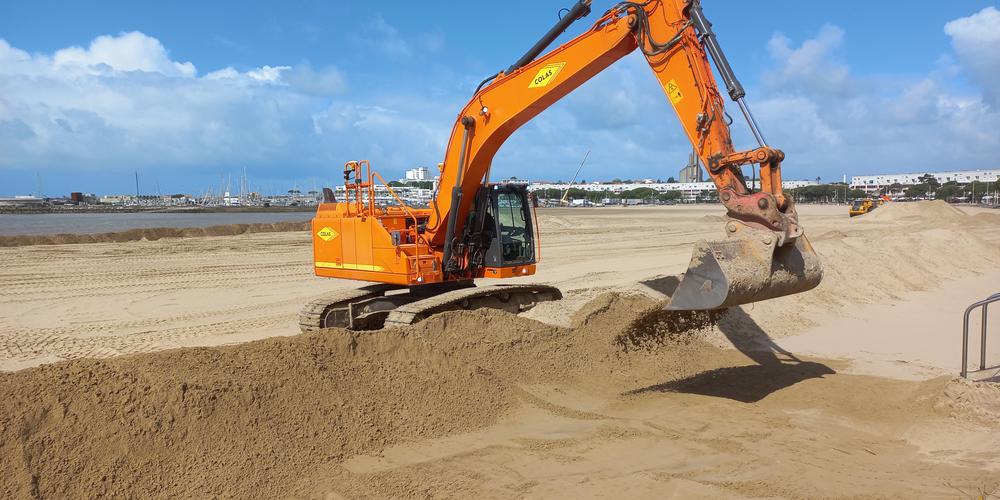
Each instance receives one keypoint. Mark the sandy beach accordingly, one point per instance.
(174, 367)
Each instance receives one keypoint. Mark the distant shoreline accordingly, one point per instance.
(150, 234)
(93, 209)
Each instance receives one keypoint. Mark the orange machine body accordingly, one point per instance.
(359, 240)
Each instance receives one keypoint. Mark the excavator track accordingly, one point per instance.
(511, 298)
(330, 310)
(374, 306)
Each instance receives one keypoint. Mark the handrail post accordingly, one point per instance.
(982, 349)
(982, 341)
(965, 342)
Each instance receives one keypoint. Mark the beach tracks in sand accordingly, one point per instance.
(105, 299)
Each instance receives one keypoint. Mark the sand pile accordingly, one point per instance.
(613, 340)
(925, 211)
(195, 422)
(907, 253)
(152, 234)
(269, 418)
(964, 398)
(987, 219)
(192, 422)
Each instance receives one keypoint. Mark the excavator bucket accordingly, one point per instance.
(746, 268)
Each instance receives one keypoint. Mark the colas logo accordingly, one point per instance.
(327, 234)
(546, 75)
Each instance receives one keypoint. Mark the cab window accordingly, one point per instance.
(512, 220)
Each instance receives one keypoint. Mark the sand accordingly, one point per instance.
(602, 394)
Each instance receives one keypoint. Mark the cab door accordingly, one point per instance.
(514, 242)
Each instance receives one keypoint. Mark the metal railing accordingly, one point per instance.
(965, 333)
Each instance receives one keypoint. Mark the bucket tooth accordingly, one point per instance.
(748, 267)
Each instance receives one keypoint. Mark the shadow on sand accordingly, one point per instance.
(775, 368)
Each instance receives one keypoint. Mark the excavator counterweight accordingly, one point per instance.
(427, 259)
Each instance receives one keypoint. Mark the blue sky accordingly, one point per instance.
(188, 92)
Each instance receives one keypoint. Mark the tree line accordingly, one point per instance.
(930, 187)
(825, 193)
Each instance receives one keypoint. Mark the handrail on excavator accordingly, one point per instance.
(406, 210)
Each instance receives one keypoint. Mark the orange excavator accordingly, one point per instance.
(422, 261)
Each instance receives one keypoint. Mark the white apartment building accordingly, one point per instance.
(417, 174)
(117, 199)
(411, 195)
(689, 190)
(871, 183)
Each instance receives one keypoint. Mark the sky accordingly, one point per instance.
(189, 94)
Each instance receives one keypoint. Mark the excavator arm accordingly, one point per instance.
(766, 254)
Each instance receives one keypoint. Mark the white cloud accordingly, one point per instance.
(799, 115)
(613, 99)
(226, 73)
(812, 65)
(976, 40)
(267, 73)
(133, 51)
(10, 54)
(827, 118)
(122, 103)
(397, 133)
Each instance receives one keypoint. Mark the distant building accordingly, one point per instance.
(22, 201)
(417, 174)
(412, 196)
(795, 184)
(692, 172)
(513, 180)
(873, 183)
(117, 199)
(690, 191)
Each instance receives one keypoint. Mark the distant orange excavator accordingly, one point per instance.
(425, 260)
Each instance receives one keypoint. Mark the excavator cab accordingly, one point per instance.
(500, 232)
(513, 244)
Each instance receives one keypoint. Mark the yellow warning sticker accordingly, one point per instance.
(546, 75)
(674, 92)
(327, 234)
